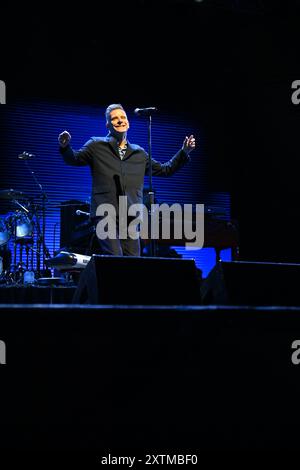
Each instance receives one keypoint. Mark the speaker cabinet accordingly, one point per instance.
(139, 281)
(252, 283)
(69, 220)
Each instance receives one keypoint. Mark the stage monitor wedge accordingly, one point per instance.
(139, 281)
(252, 283)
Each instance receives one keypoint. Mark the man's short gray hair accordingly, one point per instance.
(110, 108)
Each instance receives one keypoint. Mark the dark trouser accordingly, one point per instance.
(110, 245)
(119, 247)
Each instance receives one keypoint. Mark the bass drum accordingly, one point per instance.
(5, 232)
(5, 260)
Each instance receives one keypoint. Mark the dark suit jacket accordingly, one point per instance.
(113, 177)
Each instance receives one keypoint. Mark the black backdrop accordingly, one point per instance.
(230, 62)
(230, 65)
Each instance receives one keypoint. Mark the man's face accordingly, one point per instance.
(118, 123)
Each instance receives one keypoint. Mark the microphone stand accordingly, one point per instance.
(17, 203)
(152, 250)
(41, 237)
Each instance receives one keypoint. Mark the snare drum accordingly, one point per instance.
(5, 232)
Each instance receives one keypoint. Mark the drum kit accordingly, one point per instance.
(24, 256)
(22, 230)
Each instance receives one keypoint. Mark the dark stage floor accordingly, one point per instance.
(148, 378)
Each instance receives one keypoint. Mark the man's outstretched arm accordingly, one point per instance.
(175, 163)
(81, 157)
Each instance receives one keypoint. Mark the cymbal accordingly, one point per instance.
(12, 194)
(67, 205)
(58, 205)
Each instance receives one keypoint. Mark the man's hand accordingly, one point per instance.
(64, 138)
(189, 144)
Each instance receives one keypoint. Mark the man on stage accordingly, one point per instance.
(118, 168)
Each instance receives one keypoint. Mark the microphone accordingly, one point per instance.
(79, 212)
(25, 156)
(145, 111)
